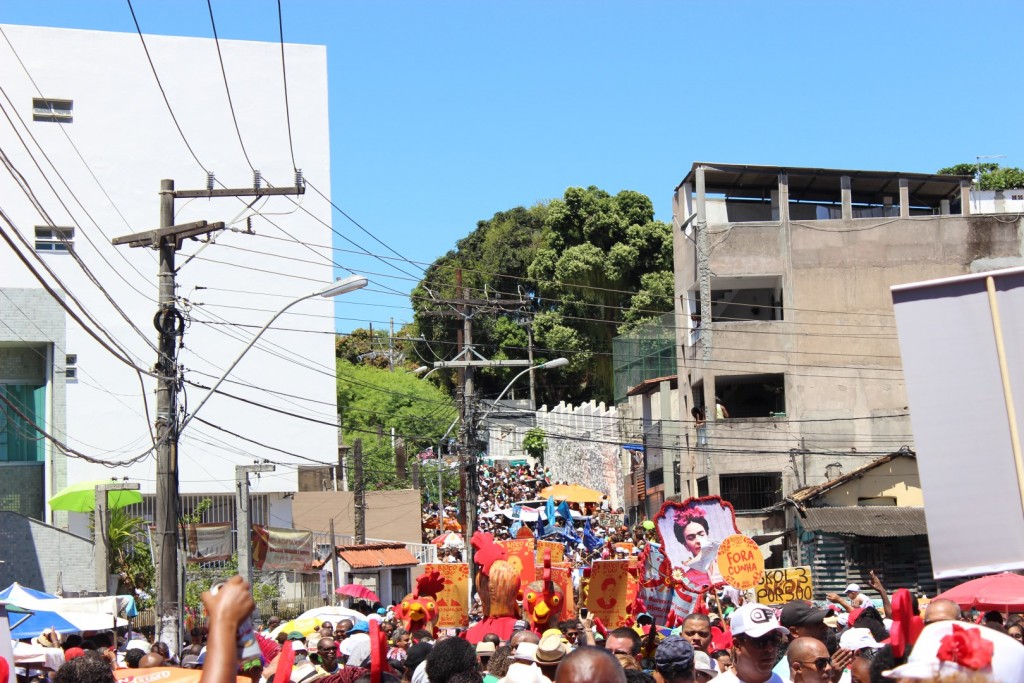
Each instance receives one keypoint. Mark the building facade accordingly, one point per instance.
(89, 140)
(785, 335)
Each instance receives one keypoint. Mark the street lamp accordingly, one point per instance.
(556, 363)
(338, 287)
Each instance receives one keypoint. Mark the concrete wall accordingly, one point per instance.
(845, 395)
(123, 131)
(897, 479)
(44, 557)
(390, 515)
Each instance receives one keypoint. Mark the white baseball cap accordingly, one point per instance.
(755, 620)
(526, 652)
(1006, 665)
(852, 588)
(859, 638)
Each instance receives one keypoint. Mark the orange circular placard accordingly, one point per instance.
(740, 562)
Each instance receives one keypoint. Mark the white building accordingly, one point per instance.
(92, 138)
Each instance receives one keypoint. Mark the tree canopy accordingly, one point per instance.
(373, 400)
(574, 271)
(989, 175)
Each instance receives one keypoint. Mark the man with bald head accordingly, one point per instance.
(150, 660)
(590, 665)
(809, 661)
(523, 637)
(941, 610)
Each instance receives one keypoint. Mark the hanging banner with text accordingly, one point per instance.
(780, 586)
(281, 549)
(608, 595)
(453, 600)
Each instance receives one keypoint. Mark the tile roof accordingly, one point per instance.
(809, 493)
(376, 555)
(874, 521)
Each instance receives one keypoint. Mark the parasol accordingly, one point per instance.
(1003, 592)
(574, 493)
(357, 591)
(449, 539)
(81, 497)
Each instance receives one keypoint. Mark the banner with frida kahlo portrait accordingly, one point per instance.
(675, 577)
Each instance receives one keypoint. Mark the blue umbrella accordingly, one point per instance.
(16, 592)
(31, 624)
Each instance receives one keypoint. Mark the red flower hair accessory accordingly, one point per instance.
(966, 648)
(685, 516)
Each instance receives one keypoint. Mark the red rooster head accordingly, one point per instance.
(419, 608)
(542, 600)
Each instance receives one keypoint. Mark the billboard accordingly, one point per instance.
(962, 344)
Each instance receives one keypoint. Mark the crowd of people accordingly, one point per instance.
(798, 642)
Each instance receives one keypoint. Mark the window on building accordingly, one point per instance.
(54, 240)
(752, 395)
(751, 491)
(47, 109)
(702, 487)
(22, 407)
(742, 299)
(71, 367)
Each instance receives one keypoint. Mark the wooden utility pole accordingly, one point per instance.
(360, 492)
(170, 325)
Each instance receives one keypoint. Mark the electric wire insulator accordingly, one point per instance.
(209, 181)
(257, 180)
(298, 177)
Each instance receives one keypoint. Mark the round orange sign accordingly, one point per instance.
(740, 562)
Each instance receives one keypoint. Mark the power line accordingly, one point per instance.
(227, 89)
(284, 79)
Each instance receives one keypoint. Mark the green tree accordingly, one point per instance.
(265, 586)
(372, 401)
(130, 557)
(583, 267)
(534, 443)
(989, 175)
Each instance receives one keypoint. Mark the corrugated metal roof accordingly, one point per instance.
(875, 521)
(377, 555)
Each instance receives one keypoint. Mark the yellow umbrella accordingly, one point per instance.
(574, 493)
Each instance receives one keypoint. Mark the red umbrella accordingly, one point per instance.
(357, 591)
(1003, 592)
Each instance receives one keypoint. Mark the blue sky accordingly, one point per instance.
(444, 112)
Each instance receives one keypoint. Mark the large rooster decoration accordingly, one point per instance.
(497, 584)
(542, 600)
(419, 608)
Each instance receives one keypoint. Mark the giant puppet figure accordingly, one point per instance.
(497, 584)
(678, 576)
(542, 600)
(418, 609)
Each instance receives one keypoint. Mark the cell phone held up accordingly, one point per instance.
(248, 649)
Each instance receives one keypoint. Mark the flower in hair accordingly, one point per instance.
(685, 516)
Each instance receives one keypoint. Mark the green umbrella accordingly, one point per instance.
(81, 497)
(648, 524)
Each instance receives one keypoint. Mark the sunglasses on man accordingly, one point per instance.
(820, 663)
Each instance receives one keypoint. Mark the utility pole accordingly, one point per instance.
(360, 497)
(465, 362)
(243, 516)
(334, 565)
(170, 324)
